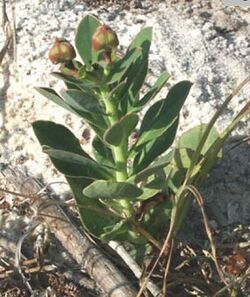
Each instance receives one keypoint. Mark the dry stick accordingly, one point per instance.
(85, 252)
(34, 223)
(146, 279)
(5, 25)
(200, 201)
(164, 289)
(135, 268)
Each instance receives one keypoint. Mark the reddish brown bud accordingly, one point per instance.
(61, 51)
(104, 39)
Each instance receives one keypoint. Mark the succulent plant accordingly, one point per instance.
(116, 189)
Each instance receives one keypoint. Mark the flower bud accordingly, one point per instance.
(104, 39)
(61, 51)
(69, 71)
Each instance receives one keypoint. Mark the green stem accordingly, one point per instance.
(119, 152)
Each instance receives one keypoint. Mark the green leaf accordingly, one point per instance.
(136, 74)
(152, 169)
(214, 151)
(191, 138)
(61, 140)
(135, 77)
(142, 40)
(102, 189)
(147, 193)
(95, 121)
(120, 67)
(83, 40)
(183, 157)
(82, 101)
(84, 85)
(121, 231)
(176, 178)
(94, 215)
(102, 153)
(54, 97)
(76, 165)
(116, 231)
(157, 182)
(121, 130)
(116, 93)
(148, 152)
(159, 84)
(58, 137)
(157, 212)
(163, 113)
(114, 135)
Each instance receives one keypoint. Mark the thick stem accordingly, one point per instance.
(121, 163)
(119, 153)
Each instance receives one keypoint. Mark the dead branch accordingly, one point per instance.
(82, 249)
(8, 26)
(135, 268)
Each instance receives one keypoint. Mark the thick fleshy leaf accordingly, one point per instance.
(139, 73)
(82, 101)
(102, 153)
(54, 97)
(85, 85)
(155, 212)
(142, 40)
(176, 177)
(151, 150)
(155, 89)
(102, 189)
(136, 74)
(191, 138)
(135, 78)
(58, 137)
(114, 135)
(91, 211)
(76, 165)
(121, 66)
(115, 95)
(121, 231)
(153, 169)
(147, 193)
(214, 151)
(66, 153)
(183, 157)
(163, 113)
(94, 215)
(83, 40)
(121, 130)
(177, 169)
(96, 122)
